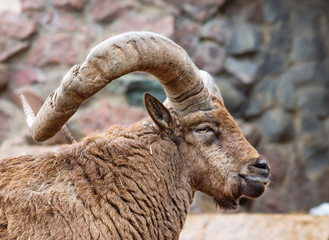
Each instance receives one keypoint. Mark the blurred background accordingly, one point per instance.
(268, 57)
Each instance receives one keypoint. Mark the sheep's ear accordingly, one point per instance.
(158, 112)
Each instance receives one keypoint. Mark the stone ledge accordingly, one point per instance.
(255, 226)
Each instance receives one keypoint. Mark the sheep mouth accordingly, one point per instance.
(253, 186)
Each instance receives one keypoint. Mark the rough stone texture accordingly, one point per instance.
(104, 115)
(26, 76)
(314, 101)
(186, 34)
(232, 97)
(52, 49)
(262, 99)
(273, 63)
(32, 4)
(304, 195)
(255, 226)
(275, 10)
(16, 26)
(244, 38)
(323, 185)
(106, 11)
(307, 48)
(280, 36)
(198, 10)
(245, 70)
(209, 57)
(4, 76)
(135, 90)
(215, 30)
(306, 74)
(70, 4)
(278, 126)
(10, 47)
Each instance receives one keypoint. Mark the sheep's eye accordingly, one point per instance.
(203, 130)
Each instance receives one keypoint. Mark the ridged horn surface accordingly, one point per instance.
(113, 58)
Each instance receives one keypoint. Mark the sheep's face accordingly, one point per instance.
(220, 162)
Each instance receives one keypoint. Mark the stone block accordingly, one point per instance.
(314, 101)
(307, 48)
(300, 189)
(106, 11)
(16, 26)
(280, 36)
(306, 74)
(278, 126)
(162, 24)
(28, 5)
(233, 98)
(273, 63)
(244, 38)
(4, 76)
(10, 47)
(186, 34)
(209, 57)
(103, 115)
(196, 9)
(216, 30)
(322, 184)
(70, 4)
(52, 49)
(305, 19)
(27, 76)
(244, 70)
(275, 10)
(261, 98)
(135, 90)
(286, 93)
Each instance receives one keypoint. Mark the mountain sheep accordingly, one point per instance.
(135, 183)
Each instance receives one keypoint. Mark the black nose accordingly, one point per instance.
(262, 164)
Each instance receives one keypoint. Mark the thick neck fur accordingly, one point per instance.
(121, 184)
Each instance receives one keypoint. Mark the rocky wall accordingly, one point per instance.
(269, 58)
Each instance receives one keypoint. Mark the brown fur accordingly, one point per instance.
(136, 183)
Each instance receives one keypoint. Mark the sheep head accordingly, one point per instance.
(220, 161)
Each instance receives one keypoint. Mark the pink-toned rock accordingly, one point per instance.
(187, 34)
(69, 4)
(33, 99)
(255, 226)
(32, 4)
(215, 30)
(198, 9)
(9, 47)
(209, 57)
(26, 76)
(4, 76)
(16, 26)
(159, 24)
(50, 49)
(102, 116)
(106, 11)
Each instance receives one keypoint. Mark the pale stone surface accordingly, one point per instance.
(255, 226)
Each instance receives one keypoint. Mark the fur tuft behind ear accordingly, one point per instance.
(158, 112)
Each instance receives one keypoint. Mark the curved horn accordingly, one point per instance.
(113, 58)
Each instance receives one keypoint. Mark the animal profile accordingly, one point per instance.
(133, 183)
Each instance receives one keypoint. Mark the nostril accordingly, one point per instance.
(262, 164)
